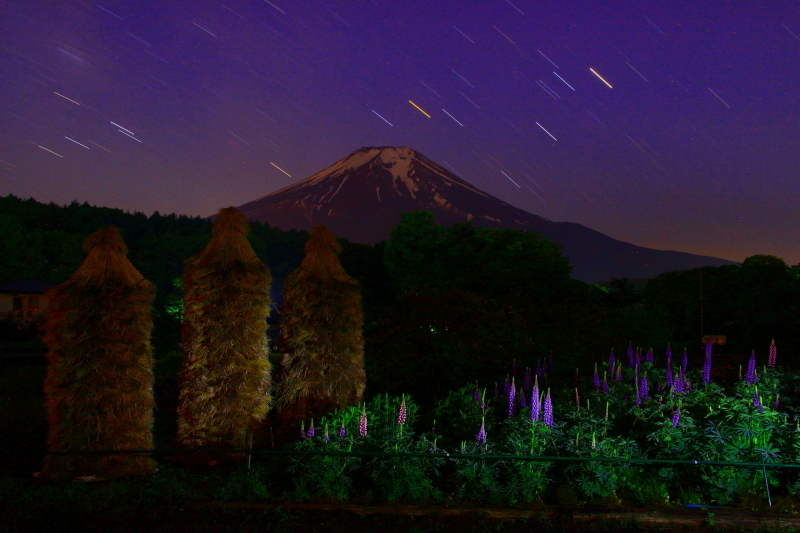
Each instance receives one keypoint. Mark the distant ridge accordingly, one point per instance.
(361, 197)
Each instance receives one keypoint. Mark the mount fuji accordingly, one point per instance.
(361, 197)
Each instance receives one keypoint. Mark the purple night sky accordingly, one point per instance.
(186, 106)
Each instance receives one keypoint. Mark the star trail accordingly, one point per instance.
(672, 125)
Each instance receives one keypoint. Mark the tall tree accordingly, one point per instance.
(99, 383)
(225, 377)
(321, 324)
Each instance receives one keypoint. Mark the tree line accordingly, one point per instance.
(442, 306)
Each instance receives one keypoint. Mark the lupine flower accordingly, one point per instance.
(650, 358)
(325, 436)
(668, 353)
(630, 355)
(496, 392)
(596, 378)
(535, 402)
(757, 401)
(521, 398)
(506, 386)
(401, 415)
(594, 442)
(548, 410)
(669, 367)
(605, 384)
(644, 389)
(342, 432)
(526, 383)
(577, 398)
(539, 369)
(777, 402)
(684, 361)
(707, 370)
(638, 399)
(751, 376)
(481, 438)
(773, 354)
(311, 432)
(676, 416)
(618, 377)
(513, 367)
(678, 383)
(362, 422)
(476, 394)
(302, 430)
(512, 396)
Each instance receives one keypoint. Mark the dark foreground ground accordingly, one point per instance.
(246, 517)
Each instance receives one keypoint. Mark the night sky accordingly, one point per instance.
(672, 124)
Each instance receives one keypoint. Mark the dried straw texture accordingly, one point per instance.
(322, 327)
(225, 378)
(99, 383)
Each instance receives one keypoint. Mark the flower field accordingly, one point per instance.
(633, 434)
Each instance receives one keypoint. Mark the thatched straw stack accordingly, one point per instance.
(99, 383)
(322, 326)
(225, 378)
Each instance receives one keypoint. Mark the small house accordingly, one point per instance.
(23, 298)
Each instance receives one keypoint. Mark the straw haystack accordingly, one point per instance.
(99, 383)
(322, 326)
(225, 378)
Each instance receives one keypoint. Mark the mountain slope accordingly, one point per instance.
(361, 197)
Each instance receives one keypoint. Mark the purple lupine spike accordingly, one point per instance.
(481, 438)
(513, 367)
(402, 412)
(526, 383)
(707, 365)
(326, 437)
(342, 432)
(618, 377)
(362, 422)
(637, 363)
(637, 398)
(669, 367)
(302, 430)
(476, 394)
(551, 365)
(605, 384)
(548, 410)
(650, 358)
(630, 355)
(751, 376)
(773, 354)
(311, 432)
(677, 383)
(536, 402)
(757, 401)
(539, 369)
(644, 387)
(668, 352)
(676, 416)
(521, 403)
(512, 397)
(612, 360)
(777, 402)
(596, 379)
(684, 361)
(506, 386)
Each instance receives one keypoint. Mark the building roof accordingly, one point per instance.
(26, 286)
